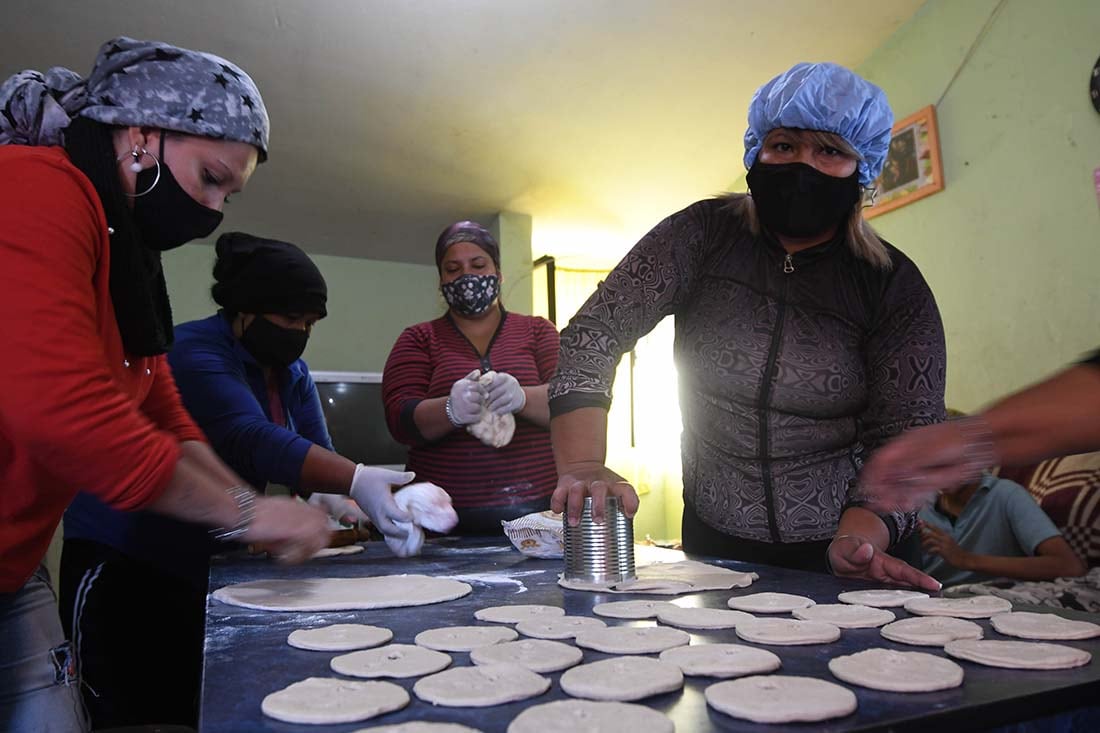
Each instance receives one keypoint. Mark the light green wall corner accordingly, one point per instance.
(513, 233)
(1011, 247)
(370, 302)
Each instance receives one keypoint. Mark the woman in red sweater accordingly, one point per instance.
(97, 177)
(434, 389)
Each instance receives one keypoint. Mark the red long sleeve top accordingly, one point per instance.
(76, 412)
(425, 362)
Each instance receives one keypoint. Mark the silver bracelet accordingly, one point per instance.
(246, 508)
(450, 413)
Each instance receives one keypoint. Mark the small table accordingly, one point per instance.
(246, 655)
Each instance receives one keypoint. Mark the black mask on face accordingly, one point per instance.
(471, 295)
(272, 345)
(167, 216)
(798, 200)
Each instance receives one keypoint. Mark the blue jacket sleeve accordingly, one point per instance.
(308, 415)
(214, 387)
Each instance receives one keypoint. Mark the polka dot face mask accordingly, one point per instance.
(471, 295)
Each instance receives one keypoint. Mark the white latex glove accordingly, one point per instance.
(504, 395)
(430, 507)
(465, 400)
(338, 506)
(372, 490)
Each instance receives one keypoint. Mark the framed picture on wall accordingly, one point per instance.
(913, 167)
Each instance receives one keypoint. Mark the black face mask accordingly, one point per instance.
(798, 200)
(273, 345)
(167, 216)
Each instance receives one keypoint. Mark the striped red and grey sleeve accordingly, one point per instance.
(405, 381)
(547, 345)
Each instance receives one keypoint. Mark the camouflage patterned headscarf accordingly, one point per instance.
(137, 83)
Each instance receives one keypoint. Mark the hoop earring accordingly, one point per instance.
(869, 194)
(135, 165)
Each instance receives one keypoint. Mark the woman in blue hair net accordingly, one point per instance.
(803, 342)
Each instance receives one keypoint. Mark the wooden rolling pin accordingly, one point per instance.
(340, 538)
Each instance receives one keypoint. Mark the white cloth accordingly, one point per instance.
(430, 508)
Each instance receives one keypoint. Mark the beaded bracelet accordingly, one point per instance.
(450, 414)
(246, 507)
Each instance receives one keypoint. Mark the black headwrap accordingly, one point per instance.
(257, 275)
(138, 290)
(466, 231)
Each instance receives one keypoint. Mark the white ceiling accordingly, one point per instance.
(392, 118)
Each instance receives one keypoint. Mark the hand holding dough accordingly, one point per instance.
(430, 508)
(492, 429)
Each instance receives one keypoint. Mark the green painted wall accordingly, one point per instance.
(513, 232)
(1011, 247)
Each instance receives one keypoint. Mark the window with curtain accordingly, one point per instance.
(643, 434)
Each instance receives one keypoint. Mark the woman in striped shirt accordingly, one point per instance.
(431, 398)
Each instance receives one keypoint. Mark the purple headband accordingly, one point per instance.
(466, 231)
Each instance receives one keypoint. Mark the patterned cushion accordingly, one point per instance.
(1068, 490)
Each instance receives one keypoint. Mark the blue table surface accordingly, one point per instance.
(246, 655)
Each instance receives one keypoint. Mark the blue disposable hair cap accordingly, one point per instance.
(826, 97)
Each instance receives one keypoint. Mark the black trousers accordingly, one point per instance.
(701, 539)
(137, 633)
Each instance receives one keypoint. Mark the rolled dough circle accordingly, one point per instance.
(395, 660)
(884, 598)
(622, 679)
(587, 716)
(845, 616)
(970, 607)
(1047, 626)
(480, 686)
(769, 602)
(463, 638)
(893, 671)
(787, 631)
(631, 609)
(930, 630)
(702, 618)
(517, 613)
(563, 627)
(339, 637)
(632, 639)
(1018, 654)
(320, 700)
(721, 660)
(781, 699)
(341, 594)
(538, 655)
